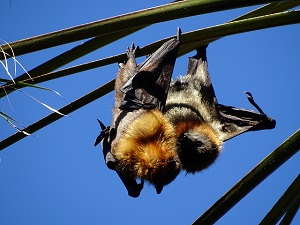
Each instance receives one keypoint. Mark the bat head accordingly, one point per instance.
(197, 151)
(198, 143)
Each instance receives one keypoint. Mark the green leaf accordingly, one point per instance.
(8, 119)
(127, 21)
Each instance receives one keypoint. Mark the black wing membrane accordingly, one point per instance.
(107, 134)
(149, 87)
(237, 120)
(133, 188)
(233, 121)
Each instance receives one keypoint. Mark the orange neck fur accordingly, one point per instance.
(202, 127)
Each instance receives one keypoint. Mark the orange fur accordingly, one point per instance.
(147, 150)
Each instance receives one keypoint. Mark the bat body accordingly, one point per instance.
(141, 142)
(201, 124)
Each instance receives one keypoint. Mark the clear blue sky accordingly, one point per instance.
(57, 176)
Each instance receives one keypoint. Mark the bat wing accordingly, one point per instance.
(229, 121)
(201, 123)
(107, 134)
(235, 121)
(104, 138)
(146, 86)
(134, 189)
(149, 87)
(126, 70)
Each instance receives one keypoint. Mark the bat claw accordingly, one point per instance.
(269, 122)
(179, 32)
(132, 50)
(104, 132)
(251, 100)
(103, 127)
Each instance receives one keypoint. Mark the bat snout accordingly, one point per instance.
(197, 151)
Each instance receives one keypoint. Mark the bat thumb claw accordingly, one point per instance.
(103, 127)
(251, 100)
(249, 94)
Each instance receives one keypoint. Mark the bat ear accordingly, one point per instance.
(133, 188)
(158, 188)
(237, 121)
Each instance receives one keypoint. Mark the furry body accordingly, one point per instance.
(141, 142)
(189, 112)
(201, 124)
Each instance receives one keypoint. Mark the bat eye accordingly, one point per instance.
(198, 143)
(182, 137)
(226, 128)
(177, 83)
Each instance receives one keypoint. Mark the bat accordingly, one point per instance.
(200, 122)
(140, 142)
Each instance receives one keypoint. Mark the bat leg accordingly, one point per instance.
(133, 188)
(201, 53)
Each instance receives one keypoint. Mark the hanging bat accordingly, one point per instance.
(141, 142)
(201, 124)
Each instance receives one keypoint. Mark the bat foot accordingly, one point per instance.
(132, 50)
(201, 53)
